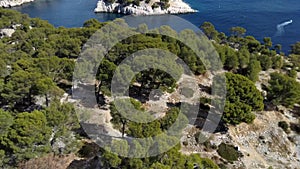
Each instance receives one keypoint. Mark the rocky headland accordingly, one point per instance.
(135, 7)
(12, 3)
(146, 7)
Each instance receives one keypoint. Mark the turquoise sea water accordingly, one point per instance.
(260, 17)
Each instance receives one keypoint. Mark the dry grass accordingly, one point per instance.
(50, 161)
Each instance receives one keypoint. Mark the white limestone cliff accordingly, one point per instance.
(11, 3)
(176, 7)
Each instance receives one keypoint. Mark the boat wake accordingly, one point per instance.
(280, 27)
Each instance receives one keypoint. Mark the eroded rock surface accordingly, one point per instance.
(176, 7)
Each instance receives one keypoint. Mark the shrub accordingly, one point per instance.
(155, 5)
(292, 73)
(208, 163)
(88, 150)
(205, 100)
(295, 127)
(228, 152)
(222, 166)
(283, 90)
(242, 98)
(284, 125)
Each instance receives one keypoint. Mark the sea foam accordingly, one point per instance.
(280, 27)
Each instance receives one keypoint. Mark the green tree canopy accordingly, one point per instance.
(242, 98)
(29, 135)
(296, 48)
(6, 121)
(283, 90)
(253, 70)
(238, 31)
(209, 30)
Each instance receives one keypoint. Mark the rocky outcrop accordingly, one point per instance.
(6, 32)
(262, 143)
(11, 3)
(176, 7)
(265, 144)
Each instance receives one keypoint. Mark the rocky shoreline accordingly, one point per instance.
(176, 7)
(12, 3)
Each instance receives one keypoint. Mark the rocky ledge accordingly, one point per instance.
(147, 7)
(11, 3)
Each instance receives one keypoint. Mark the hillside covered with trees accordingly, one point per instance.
(36, 69)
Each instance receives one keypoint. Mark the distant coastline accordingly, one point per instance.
(12, 3)
(254, 16)
(144, 8)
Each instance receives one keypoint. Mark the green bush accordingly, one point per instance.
(88, 150)
(228, 152)
(295, 127)
(283, 90)
(242, 98)
(222, 166)
(204, 100)
(292, 73)
(284, 125)
(155, 5)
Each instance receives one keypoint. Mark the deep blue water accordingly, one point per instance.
(259, 17)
